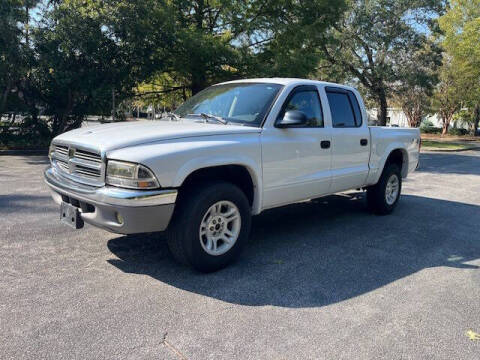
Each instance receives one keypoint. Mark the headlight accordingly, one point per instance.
(129, 175)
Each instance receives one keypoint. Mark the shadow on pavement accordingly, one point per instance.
(321, 252)
(37, 160)
(25, 203)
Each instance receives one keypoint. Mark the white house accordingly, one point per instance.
(396, 117)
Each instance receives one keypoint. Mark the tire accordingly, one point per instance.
(192, 244)
(377, 198)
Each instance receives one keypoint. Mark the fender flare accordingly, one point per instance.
(223, 160)
(383, 160)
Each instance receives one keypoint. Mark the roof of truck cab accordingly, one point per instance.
(286, 81)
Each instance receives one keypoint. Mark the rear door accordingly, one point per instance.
(350, 140)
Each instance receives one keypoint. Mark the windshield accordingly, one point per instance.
(245, 103)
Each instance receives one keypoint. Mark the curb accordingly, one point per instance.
(24, 152)
(426, 149)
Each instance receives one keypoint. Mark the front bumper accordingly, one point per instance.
(122, 211)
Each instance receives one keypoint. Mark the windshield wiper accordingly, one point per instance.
(213, 117)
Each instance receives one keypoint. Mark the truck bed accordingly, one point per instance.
(383, 140)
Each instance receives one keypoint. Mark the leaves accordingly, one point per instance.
(379, 43)
(76, 54)
(460, 85)
(472, 335)
(82, 53)
(223, 40)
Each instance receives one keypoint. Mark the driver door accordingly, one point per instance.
(296, 160)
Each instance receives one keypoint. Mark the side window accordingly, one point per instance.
(344, 108)
(307, 101)
(356, 108)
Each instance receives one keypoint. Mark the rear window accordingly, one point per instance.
(344, 108)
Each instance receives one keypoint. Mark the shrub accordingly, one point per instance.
(426, 124)
(27, 134)
(430, 130)
(427, 127)
(457, 131)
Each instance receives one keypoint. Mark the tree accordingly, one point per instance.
(287, 41)
(90, 55)
(448, 96)
(223, 39)
(12, 57)
(76, 57)
(415, 103)
(461, 28)
(417, 80)
(375, 40)
(163, 91)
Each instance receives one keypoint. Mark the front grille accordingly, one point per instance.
(80, 165)
(84, 170)
(61, 150)
(88, 156)
(62, 165)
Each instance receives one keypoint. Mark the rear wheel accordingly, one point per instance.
(210, 226)
(383, 197)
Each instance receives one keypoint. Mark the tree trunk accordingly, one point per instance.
(113, 105)
(62, 116)
(3, 102)
(476, 119)
(199, 82)
(382, 112)
(414, 117)
(445, 126)
(414, 121)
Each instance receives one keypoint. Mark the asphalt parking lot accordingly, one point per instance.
(321, 280)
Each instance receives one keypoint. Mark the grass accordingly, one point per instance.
(453, 138)
(443, 145)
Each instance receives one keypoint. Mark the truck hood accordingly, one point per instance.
(109, 137)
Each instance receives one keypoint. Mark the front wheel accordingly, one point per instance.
(383, 197)
(210, 226)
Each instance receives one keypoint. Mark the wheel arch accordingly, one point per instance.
(398, 156)
(238, 173)
(395, 153)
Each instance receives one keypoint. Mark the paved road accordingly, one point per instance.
(323, 280)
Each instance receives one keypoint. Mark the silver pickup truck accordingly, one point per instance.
(229, 152)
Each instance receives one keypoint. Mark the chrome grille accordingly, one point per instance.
(80, 165)
(62, 165)
(88, 156)
(83, 170)
(61, 150)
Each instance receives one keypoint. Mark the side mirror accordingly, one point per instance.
(293, 118)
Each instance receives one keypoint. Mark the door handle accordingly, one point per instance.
(364, 142)
(325, 144)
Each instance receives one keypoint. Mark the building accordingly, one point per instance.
(396, 117)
